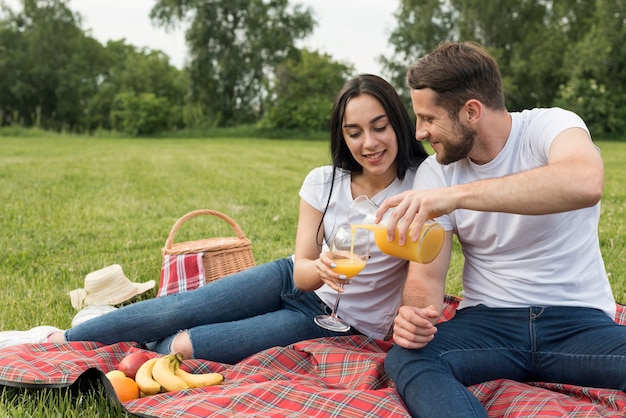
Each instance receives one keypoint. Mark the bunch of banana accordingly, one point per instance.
(143, 378)
(163, 374)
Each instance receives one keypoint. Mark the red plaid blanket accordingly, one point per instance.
(326, 377)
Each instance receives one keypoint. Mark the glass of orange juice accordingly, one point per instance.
(362, 214)
(350, 250)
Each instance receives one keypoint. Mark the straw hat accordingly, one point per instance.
(107, 286)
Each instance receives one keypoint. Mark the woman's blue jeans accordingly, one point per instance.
(227, 320)
(579, 346)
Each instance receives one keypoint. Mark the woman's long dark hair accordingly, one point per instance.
(410, 151)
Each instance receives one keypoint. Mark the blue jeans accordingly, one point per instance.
(227, 320)
(579, 346)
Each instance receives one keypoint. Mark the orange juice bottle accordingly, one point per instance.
(424, 250)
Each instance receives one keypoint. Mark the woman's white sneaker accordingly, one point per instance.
(32, 336)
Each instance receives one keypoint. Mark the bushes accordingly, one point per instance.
(142, 114)
(603, 109)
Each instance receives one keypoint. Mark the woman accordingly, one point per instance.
(374, 153)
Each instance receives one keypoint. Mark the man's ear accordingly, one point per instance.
(472, 111)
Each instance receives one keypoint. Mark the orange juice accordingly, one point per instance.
(424, 250)
(349, 266)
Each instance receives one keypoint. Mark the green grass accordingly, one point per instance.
(72, 205)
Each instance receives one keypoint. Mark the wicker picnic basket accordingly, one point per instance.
(221, 255)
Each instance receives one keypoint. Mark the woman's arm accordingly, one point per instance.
(311, 266)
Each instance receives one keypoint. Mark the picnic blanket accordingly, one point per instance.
(326, 377)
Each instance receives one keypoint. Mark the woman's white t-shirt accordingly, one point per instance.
(371, 300)
(519, 260)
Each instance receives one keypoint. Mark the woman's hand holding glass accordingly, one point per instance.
(328, 274)
(349, 253)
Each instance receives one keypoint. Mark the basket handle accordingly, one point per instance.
(236, 228)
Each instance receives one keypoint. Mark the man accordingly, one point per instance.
(521, 190)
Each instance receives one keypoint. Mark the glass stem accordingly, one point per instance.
(334, 312)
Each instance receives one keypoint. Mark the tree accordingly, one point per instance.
(529, 39)
(421, 25)
(234, 45)
(138, 77)
(10, 37)
(304, 91)
(49, 66)
(596, 88)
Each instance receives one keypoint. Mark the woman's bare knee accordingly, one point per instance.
(182, 344)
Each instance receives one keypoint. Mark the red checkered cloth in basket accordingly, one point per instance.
(327, 377)
(181, 273)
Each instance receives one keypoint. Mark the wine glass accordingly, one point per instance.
(350, 251)
(362, 211)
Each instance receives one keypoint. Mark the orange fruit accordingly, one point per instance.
(125, 388)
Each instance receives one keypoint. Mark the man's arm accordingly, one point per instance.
(422, 300)
(572, 179)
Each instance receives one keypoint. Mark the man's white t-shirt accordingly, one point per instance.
(520, 260)
(371, 300)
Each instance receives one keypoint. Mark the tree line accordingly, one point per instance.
(244, 67)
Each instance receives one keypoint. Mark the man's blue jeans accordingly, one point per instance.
(579, 346)
(227, 320)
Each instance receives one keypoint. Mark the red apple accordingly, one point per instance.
(131, 363)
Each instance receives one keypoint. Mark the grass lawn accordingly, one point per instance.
(72, 205)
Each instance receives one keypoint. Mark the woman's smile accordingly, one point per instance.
(375, 158)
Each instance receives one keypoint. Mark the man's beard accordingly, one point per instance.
(455, 152)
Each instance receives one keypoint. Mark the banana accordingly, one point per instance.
(164, 372)
(144, 380)
(200, 380)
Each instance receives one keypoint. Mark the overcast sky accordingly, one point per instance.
(355, 31)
